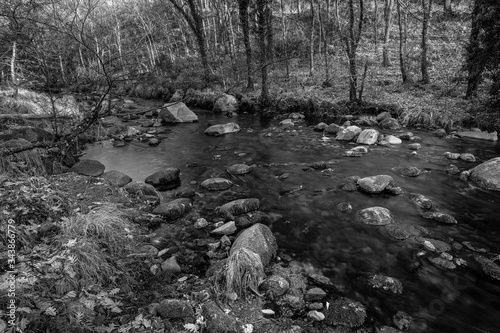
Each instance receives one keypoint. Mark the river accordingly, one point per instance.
(308, 225)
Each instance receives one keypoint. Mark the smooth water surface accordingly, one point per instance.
(308, 225)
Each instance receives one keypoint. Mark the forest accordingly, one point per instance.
(439, 53)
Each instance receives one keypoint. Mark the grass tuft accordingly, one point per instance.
(242, 273)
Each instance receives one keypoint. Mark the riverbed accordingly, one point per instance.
(302, 202)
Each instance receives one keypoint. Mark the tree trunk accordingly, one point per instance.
(195, 22)
(311, 41)
(424, 66)
(262, 20)
(447, 8)
(402, 47)
(474, 67)
(283, 39)
(352, 42)
(325, 39)
(245, 27)
(375, 27)
(13, 60)
(389, 4)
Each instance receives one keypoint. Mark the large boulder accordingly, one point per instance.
(389, 123)
(174, 209)
(375, 184)
(259, 239)
(116, 178)
(88, 168)
(165, 180)
(226, 103)
(222, 129)
(487, 174)
(375, 216)
(479, 135)
(348, 133)
(177, 112)
(368, 137)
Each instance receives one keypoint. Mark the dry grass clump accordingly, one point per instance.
(26, 163)
(106, 225)
(96, 241)
(241, 274)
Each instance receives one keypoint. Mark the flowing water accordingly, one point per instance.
(308, 225)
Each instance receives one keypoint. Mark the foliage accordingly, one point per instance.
(68, 264)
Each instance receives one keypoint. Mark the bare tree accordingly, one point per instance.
(351, 40)
(194, 18)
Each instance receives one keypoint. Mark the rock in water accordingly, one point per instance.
(487, 174)
(238, 207)
(375, 216)
(177, 112)
(411, 171)
(440, 217)
(226, 103)
(88, 168)
(414, 146)
(216, 184)
(479, 135)
(375, 184)
(393, 140)
(174, 209)
(348, 133)
(346, 312)
(368, 137)
(386, 283)
(165, 180)
(421, 200)
(222, 129)
(239, 169)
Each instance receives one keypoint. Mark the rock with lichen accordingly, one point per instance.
(346, 312)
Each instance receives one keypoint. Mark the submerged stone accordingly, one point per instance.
(375, 216)
(440, 217)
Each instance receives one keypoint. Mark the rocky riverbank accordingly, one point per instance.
(187, 260)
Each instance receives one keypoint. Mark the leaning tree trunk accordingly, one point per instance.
(424, 64)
